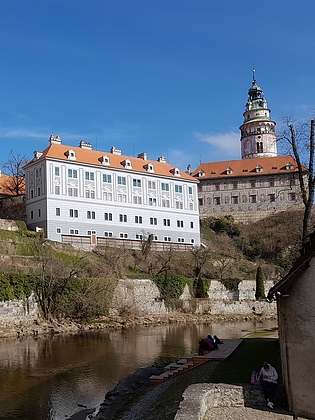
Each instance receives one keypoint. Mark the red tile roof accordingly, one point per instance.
(94, 157)
(245, 167)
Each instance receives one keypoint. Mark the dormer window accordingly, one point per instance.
(150, 167)
(289, 166)
(259, 168)
(105, 160)
(201, 173)
(127, 164)
(71, 154)
(229, 171)
(175, 171)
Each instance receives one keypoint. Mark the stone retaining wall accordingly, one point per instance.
(199, 398)
(15, 311)
(142, 297)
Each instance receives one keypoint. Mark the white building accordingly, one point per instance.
(80, 195)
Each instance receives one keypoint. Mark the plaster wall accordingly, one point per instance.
(296, 317)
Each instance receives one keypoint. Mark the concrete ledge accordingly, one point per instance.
(199, 398)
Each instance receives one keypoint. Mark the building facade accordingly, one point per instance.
(79, 195)
(259, 184)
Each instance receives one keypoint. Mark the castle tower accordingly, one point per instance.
(258, 138)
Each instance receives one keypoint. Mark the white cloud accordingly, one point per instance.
(228, 143)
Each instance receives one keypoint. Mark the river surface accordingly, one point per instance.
(48, 378)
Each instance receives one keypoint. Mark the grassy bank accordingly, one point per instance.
(163, 400)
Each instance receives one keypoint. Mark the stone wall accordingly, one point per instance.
(142, 297)
(15, 311)
(199, 398)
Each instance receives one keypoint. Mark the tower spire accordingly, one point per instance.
(258, 137)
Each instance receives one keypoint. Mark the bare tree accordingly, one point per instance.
(299, 137)
(13, 168)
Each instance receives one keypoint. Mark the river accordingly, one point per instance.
(49, 377)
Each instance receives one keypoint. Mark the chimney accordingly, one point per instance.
(115, 151)
(161, 159)
(85, 145)
(55, 139)
(143, 156)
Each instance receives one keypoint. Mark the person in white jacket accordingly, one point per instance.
(269, 377)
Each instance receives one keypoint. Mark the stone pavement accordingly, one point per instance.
(247, 413)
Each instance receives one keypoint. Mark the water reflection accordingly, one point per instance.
(45, 378)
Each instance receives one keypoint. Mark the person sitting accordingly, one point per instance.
(269, 377)
(217, 340)
(204, 345)
(211, 340)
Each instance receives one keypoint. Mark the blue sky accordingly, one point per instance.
(169, 77)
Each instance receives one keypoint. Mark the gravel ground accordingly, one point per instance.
(247, 413)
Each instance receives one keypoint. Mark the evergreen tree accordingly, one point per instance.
(260, 287)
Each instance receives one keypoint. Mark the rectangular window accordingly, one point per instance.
(152, 201)
(91, 232)
(217, 187)
(107, 196)
(57, 189)
(167, 238)
(180, 240)
(153, 221)
(190, 190)
(253, 199)
(121, 180)
(108, 234)
(292, 196)
(178, 188)
(137, 199)
(32, 214)
(165, 203)
(179, 204)
(107, 178)
(123, 235)
(58, 230)
(271, 183)
(136, 182)
(166, 222)
(165, 187)
(123, 218)
(139, 236)
(89, 176)
(90, 214)
(217, 201)
(57, 170)
(235, 199)
(74, 232)
(191, 225)
(39, 213)
(138, 219)
(73, 213)
(272, 198)
(180, 223)
(234, 185)
(57, 211)
(108, 216)
(38, 191)
(72, 173)
(122, 198)
(151, 185)
(253, 184)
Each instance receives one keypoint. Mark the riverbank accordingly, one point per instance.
(38, 327)
(143, 402)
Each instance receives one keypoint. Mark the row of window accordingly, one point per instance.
(121, 180)
(90, 214)
(245, 184)
(122, 235)
(122, 198)
(251, 199)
